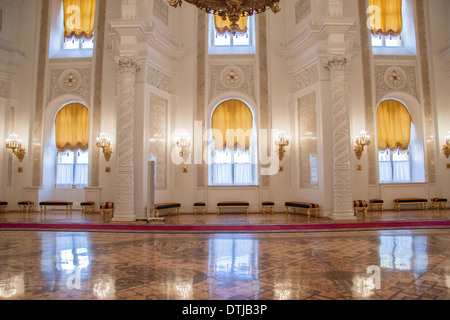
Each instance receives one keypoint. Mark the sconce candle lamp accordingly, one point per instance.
(104, 142)
(446, 147)
(361, 141)
(15, 144)
(184, 144)
(282, 141)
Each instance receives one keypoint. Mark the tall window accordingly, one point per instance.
(223, 41)
(72, 142)
(391, 24)
(232, 149)
(394, 138)
(79, 22)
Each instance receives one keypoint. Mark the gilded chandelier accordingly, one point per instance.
(232, 9)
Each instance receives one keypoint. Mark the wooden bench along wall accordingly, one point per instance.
(302, 205)
(420, 201)
(232, 204)
(44, 204)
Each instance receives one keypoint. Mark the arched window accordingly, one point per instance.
(394, 130)
(72, 142)
(232, 148)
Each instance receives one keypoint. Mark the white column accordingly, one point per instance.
(124, 185)
(342, 182)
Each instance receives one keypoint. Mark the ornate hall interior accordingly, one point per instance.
(322, 124)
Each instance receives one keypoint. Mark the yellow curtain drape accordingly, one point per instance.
(79, 18)
(223, 26)
(72, 128)
(232, 123)
(386, 17)
(394, 126)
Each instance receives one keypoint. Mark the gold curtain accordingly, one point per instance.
(79, 18)
(232, 123)
(72, 128)
(394, 126)
(223, 26)
(386, 17)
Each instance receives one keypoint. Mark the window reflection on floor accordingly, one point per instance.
(404, 252)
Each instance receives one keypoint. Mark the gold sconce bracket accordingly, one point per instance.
(15, 144)
(361, 141)
(184, 143)
(282, 142)
(446, 146)
(104, 142)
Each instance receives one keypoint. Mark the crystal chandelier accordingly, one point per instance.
(232, 10)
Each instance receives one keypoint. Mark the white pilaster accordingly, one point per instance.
(342, 182)
(124, 199)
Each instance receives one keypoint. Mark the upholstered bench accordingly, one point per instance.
(107, 207)
(25, 206)
(44, 204)
(232, 204)
(422, 202)
(360, 205)
(3, 206)
(199, 205)
(87, 207)
(170, 206)
(439, 202)
(376, 203)
(267, 204)
(302, 205)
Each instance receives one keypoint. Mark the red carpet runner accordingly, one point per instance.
(227, 228)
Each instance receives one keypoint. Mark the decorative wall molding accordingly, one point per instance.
(158, 138)
(159, 79)
(76, 81)
(307, 134)
(389, 78)
(235, 77)
(307, 77)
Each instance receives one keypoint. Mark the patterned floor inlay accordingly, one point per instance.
(378, 265)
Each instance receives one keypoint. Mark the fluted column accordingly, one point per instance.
(124, 199)
(342, 182)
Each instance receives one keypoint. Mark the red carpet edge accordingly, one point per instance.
(225, 228)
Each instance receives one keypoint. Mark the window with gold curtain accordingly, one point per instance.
(393, 125)
(386, 17)
(233, 154)
(223, 26)
(394, 138)
(72, 141)
(72, 128)
(79, 19)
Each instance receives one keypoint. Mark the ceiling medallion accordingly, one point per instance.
(232, 9)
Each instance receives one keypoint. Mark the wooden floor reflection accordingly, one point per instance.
(345, 265)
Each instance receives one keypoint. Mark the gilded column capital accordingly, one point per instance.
(128, 64)
(337, 62)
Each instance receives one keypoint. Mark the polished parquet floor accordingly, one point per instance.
(340, 265)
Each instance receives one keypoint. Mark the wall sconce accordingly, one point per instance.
(104, 142)
(15, 144)
(184, 144)
(281, 142)
(446, 147)
(361, 141)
